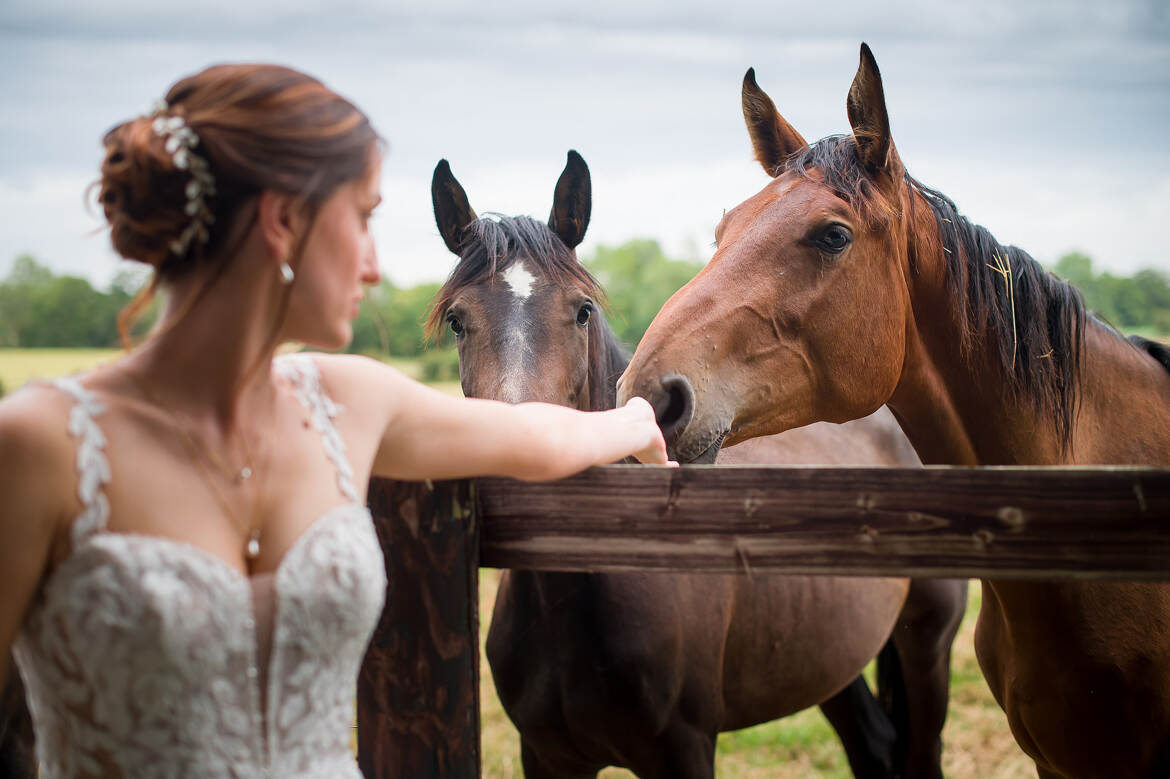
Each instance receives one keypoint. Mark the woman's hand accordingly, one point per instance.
(643, 421)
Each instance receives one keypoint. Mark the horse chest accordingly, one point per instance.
(1080, 700)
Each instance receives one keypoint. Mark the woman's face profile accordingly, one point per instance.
(338, 262)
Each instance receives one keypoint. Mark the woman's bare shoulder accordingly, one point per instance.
(354, 378)
(31, 415)
(37, 453)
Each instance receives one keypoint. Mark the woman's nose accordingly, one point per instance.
(371, 274)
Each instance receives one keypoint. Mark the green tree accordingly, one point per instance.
(391, 320)
(39, 309)
(638, 278)
(1076, 268)
(17, 298)
(1141, 302)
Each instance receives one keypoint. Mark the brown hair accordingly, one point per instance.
(259, 127)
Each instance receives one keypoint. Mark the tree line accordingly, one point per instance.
(41, 309)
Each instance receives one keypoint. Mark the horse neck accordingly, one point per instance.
(607, 360)
(1125, 408)
(959, 408)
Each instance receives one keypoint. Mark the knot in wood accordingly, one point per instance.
(983, 539)
(867, 534)
(1012, 518)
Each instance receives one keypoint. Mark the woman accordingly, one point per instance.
(189, 576)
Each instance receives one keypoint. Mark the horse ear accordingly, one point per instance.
(453, 213)
(572, 201)
(870, 120)
(773, 138)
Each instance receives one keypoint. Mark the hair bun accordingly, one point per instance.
(142, 194)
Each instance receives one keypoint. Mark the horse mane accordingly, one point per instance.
(1032, 322)
(607, 361)
(1158, 351)
(492, 244)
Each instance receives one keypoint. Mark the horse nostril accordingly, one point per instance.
(675, 407)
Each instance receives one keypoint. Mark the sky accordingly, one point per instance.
(1044, 121)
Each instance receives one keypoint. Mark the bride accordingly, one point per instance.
(189, 574)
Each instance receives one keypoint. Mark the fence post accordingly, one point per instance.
(418, 691)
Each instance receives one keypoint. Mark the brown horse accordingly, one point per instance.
(846, 284)
(644, 670)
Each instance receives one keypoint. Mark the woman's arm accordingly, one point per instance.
(31, 506)
(426, 434)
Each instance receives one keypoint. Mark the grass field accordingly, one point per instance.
(976, 740)
(18, 366)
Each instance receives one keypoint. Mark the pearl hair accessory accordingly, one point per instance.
(181, 141)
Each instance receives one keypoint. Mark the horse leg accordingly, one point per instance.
(923, 636)
(537, 767)
(865, 730)
(681, 751)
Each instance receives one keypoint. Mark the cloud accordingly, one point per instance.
(1041, 118)
(46, 218)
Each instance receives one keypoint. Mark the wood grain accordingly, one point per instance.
(418, 705)
(1038, 523)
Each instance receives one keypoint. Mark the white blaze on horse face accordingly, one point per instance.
(519, 281)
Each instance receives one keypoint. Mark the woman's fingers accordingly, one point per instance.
(654, 450)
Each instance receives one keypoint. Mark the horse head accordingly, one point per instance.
(523, 310)
(732, 354)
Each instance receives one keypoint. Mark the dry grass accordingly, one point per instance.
(976, 741)
(18, 366)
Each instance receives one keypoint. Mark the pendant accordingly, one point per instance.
(252, 548)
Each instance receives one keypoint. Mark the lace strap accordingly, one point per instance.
(93, 469)
(306, 381)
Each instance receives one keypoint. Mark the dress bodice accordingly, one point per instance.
(142, 655)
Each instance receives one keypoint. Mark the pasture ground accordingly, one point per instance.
(977, 742)
(18, 366)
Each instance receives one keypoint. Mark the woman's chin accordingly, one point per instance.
(330, 342)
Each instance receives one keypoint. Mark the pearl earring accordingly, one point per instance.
(286, 273)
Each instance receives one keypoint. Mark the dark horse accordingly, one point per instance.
(846, 284)
(644, 670)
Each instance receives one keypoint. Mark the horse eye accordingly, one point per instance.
(455, 325)
(584, 313)
(834, 239)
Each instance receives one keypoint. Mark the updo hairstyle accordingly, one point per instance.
(258, 127)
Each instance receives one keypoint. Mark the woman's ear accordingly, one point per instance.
(279, 223)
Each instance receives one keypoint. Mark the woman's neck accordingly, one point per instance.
(212, 350)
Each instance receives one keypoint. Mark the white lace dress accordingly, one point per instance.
(147, 657)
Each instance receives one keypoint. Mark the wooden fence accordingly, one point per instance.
(418, 705)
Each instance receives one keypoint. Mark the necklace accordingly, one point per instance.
(203, 457)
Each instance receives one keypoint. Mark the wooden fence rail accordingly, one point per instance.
(418, 707)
